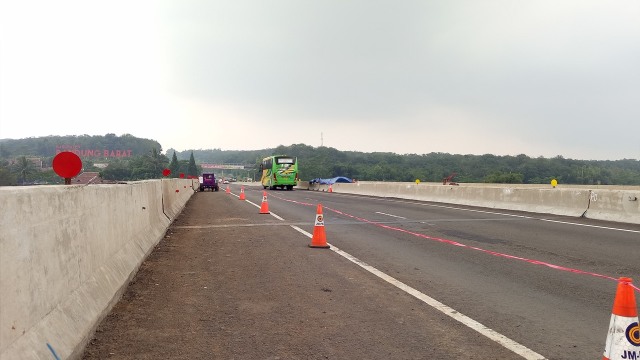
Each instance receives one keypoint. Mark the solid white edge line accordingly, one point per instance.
(467, 321)
(589, 225)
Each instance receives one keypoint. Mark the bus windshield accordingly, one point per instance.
(285, 160)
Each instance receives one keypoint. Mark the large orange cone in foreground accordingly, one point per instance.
(319, 239)
(623, 338)
(242, 196)
(264, 208)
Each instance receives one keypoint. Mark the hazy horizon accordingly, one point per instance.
(541, 78)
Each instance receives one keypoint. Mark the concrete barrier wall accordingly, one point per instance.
(615, 205)
(68, 252)
(611, 204)
(175, 193)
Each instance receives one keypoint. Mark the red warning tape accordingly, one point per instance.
(455, 243)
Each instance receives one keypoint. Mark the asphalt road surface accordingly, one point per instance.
(402, 280)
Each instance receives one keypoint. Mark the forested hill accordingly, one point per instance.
(131, 158)
(326, 162)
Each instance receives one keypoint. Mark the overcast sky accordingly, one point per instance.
(508, 77)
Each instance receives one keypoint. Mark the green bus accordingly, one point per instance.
(279, 171)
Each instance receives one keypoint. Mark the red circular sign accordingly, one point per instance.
(67, 164)
(181, 175)
(166, 172)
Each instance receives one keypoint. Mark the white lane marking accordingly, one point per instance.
(467, 321)
(302, 231)
(588, 225)
(276, 216)
(270, 212)
(395, 216)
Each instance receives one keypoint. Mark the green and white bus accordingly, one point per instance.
(279, 171)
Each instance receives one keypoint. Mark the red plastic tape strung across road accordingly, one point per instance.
(455, 243)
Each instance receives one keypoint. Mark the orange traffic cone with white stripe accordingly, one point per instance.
(264, 208)
(319, 239)
(623, 338)
(228, 190)
(330, 188)
(242, 196)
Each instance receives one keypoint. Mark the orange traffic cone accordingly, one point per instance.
(242, 197)
(330, 188)
(264, 208)
(228, 190)
(623, 338)
(319, 239)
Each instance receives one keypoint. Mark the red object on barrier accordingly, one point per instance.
(166, 172)
(67, 165)
(623, 337)
(264, 208)
(319, 239)
(242, 196)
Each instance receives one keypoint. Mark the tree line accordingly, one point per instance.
(148, 162)
(327, 162)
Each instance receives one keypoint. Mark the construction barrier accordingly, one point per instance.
(614, 205)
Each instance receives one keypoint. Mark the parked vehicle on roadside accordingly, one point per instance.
(208, 181)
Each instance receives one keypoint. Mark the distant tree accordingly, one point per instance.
(183, 168)
(192, 168)
(23, 168)
(504, 178)
(7, 178)
(48, 177)
(4, 152)
(174, 166)
(157, 162)
(117, 170)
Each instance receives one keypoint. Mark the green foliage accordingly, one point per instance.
(325, 162)
(192, 168)
(117, 170)
(148, 166)
(7, 178)
(504, 178)
(315, 162)
(174, 166)
(23, 169)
